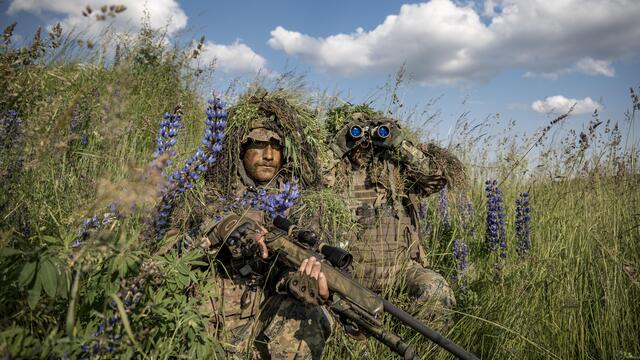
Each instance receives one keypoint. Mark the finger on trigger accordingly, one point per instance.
(264, 251)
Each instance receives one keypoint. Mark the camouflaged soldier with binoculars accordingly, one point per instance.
(381, 175)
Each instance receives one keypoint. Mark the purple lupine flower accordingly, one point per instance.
(10, 129)
(11, 142)
(422, 209)
(206, 155)
(495, 233)
(465, 209)
(523, 226)
(93, 223)
(106, 338)
(443, 205)
(273, 205)
(460, 252)
(167, 132)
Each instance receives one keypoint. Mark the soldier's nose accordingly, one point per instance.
(268, 153)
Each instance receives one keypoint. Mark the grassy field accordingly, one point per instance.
(77, 135)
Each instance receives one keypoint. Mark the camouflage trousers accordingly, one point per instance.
(281, 327)
(431, 294)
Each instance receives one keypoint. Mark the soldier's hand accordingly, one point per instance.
(309, 283)
(313, 268)
(261, 234)
(247, 236)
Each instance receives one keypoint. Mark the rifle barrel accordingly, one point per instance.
(423, 329)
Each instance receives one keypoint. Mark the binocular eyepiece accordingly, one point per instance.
(378, 132)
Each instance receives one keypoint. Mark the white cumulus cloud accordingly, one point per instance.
(236, 58)
(595, 67)
(445, 41)
(161, 14)
(560, 105)
(165, 15)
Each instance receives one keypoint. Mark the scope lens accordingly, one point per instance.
(383, 131)
(356, 131)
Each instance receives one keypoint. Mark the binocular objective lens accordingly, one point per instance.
(355, 131)
(383, 131)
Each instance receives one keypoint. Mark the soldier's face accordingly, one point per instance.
(262, 160)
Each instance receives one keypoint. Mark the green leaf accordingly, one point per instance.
(183, 280)
(63, 285)
(48, 276)
(198, 263)
(125, 319)
(51, 239)
(27, 274)
(6, 252)
(33, 295)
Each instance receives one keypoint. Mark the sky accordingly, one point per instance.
(527, 60)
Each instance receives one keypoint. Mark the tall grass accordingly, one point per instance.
(87, 134)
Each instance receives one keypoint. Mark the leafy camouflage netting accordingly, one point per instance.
(284, 113)
(341, 115)
(452, 167)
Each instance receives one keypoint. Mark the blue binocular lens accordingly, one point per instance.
(382, 131)
(356, 131)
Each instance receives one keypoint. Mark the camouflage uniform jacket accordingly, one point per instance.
(246, 313)
(382, 194)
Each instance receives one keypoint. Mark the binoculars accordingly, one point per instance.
(379, 132)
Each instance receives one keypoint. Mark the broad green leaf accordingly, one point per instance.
(51, 239)
(6, 252)
(122, 267)
(63, 284)
(48, 276)
(33, 295)
(27, 274)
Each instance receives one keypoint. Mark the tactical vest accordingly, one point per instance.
(388, 221)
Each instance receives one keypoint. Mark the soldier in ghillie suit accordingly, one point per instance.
(248, 303)
(382, 175)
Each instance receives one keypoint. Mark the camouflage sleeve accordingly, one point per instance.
(423, 175)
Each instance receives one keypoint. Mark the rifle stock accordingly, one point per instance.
(361, 306)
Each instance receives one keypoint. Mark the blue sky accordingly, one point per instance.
(525, 59)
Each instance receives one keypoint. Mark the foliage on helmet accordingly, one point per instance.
(283, 112)
(339, 116)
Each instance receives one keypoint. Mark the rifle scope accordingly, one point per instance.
(338, 257)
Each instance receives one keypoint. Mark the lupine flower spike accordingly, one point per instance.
(206, 155)
(275, 205)
(443, 205)
(496, 233)
(523, 226)
(460, 252)
(466, 212)
(168, 131)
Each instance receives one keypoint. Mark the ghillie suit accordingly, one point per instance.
(250, 316)
(381, 175)
(296, 125)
